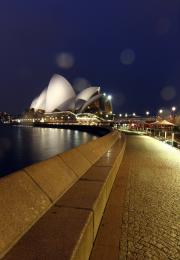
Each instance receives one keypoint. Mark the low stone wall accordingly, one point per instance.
(67, 194)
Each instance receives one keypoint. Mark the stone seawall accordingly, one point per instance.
(66, 193)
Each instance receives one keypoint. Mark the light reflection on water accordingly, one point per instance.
(22, 146)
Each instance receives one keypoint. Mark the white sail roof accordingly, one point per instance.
(60, 95)
(33, 104)
(87, 93)
(40, 101)
(58, 92)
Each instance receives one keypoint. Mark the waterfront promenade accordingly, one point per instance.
(114, 198)
(142, 216)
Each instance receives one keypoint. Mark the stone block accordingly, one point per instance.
(95, 149)
(76, 161)
(22, 202)
(98, 149)
(86, 195)
(107, 141)
(106, 161)
(96, 173)
(62, 233)
(53, 176)
(89, 152)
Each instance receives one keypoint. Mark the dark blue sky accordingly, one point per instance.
(98, 34)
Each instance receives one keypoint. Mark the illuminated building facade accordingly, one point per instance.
(59, 96)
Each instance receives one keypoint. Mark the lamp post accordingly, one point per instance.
(173, 109)
(160, 114)
(147, 114)
(172, 139)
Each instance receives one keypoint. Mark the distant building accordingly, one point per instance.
(58, 103)
(60, 96)
(5, 117)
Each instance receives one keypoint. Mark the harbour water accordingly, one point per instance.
(22, 146)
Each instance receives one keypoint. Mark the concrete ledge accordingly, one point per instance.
(69, 236)
(53, 176)
(96, 173)
(94, 150)
(21, 204)
(89, 195)
(76, 161)
(92, 182)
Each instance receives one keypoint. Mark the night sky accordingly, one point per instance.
(131, 48)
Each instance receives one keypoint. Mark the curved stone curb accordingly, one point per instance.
(85, 176)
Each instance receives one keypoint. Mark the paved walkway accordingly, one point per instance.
(142, 217)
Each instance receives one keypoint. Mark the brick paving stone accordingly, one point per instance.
(150, 226)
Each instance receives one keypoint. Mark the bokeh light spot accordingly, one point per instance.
(65, 60)
(168, 93)
(81, 83)
(127, 56)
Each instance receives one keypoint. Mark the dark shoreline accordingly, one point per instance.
(92, 129)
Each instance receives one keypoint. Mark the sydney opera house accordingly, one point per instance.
(59, 101)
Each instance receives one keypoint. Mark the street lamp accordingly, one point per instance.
(173, 114)
(120, 115)
(147, 113)
(134, 114)
(109, 97)
(126, 115)
(173, 109)
(160, 111)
